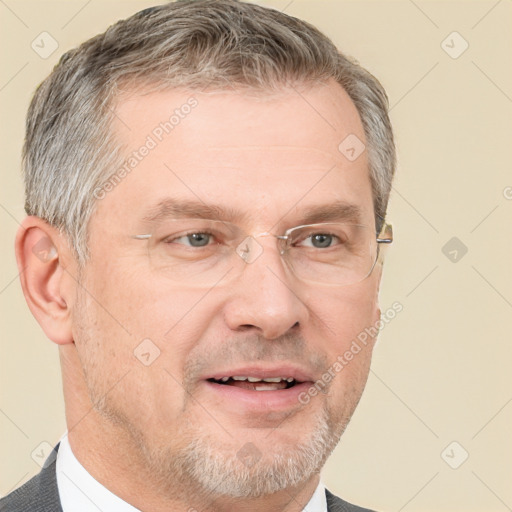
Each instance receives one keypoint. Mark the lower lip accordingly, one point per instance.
(278, 400)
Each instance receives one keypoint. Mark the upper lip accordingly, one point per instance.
(264, 372)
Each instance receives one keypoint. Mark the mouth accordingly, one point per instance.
(257, 389)
(255, 383)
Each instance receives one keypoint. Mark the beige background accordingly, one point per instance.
(442, 368)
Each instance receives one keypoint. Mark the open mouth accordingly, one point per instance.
(256, 383)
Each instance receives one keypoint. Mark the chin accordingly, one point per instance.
(248, 466)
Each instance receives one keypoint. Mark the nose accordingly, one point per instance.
(265, 297)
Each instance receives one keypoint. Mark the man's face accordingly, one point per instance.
(271, 160)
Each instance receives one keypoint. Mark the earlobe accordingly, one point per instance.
(41, 264)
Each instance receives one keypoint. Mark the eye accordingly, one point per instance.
(192, 239)
(319, 241)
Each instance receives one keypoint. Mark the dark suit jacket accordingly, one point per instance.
(41, 494)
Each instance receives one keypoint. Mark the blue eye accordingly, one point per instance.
(321, 241)
(193, 239)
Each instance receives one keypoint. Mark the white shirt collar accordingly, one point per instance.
(80, 492)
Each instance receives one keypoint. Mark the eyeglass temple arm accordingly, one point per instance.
(387, 231)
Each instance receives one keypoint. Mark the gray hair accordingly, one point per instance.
(70, 149)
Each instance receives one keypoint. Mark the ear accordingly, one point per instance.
(43, 254)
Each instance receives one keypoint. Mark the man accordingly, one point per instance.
(206, 186)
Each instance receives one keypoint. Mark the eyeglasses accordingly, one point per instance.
(202, 252)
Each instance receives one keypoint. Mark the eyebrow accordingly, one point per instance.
(332, 212)
(172, 208)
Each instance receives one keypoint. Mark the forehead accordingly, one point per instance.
(248, 151)
(305, 115)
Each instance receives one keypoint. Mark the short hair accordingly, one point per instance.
(70, 149)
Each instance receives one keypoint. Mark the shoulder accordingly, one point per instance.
(39, 494)
(335, 504)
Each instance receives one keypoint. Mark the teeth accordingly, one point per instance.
(256, 379)
(263, 388)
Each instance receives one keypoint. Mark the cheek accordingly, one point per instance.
(347, 311)
(175, 318)
(131, 299)
(133, 370)
(345, 330)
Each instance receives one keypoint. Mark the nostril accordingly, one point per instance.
(246, 327)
